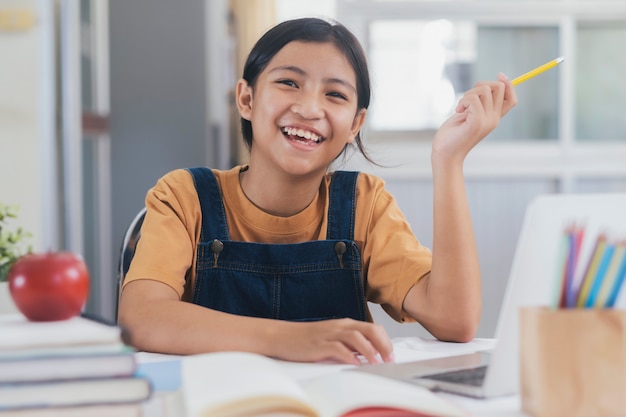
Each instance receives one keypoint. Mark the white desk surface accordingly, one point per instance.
(405, 350)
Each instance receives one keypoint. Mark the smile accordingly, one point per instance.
(301, 134)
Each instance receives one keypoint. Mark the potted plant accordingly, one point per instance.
(13, 244)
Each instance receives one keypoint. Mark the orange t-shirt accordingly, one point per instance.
(393, 259)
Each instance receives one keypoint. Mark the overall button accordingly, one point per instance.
(340, 248)
(217, 246)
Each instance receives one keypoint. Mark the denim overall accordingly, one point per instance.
(306, 281)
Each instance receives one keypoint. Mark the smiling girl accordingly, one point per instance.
(280, 256)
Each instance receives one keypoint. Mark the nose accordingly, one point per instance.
(308, 106)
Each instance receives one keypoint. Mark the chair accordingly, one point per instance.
(129, 244)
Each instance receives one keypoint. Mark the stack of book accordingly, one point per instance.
(75, 367)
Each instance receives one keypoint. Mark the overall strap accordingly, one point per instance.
(342, 205)
(214, 224)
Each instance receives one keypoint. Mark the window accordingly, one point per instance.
(600, 82)
(421, 68)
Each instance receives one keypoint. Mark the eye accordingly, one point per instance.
(336, 94)
(287, 82)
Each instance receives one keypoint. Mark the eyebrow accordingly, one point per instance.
(300, 71)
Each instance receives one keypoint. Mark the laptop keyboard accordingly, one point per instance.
(470, 376)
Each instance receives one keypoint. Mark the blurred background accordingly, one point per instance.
(99, 98)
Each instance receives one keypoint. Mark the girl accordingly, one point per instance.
(280, 256)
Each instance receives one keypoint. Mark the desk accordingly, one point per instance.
(405, 350)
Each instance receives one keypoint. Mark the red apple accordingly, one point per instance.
(49, 286)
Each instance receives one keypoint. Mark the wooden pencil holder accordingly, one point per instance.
(573, 362)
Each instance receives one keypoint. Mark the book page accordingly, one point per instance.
(354, 394)
(229, 384)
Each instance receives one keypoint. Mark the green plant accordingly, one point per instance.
(12, 244)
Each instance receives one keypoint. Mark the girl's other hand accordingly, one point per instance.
(340, 340)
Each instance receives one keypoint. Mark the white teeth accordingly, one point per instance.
(292, 131)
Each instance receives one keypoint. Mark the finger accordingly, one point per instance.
(492, 95)
(493, 103)
(470, 98)
(341, 352)
(485, 92)
(510, 95)
(498, 91)
(362, 346)
(472, 104)
(479, 98)
(380, 342)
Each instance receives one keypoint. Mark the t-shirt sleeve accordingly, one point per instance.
(166, 250)
(393, 258)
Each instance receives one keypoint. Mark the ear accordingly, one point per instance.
(357, 124)
(244, 99)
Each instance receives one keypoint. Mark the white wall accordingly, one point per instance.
(24, 161)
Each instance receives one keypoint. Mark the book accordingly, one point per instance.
(61, 364)
(164, 375)
(19, 333)
(79, 392)
(63, 351)
(108, 410)
(229, 384)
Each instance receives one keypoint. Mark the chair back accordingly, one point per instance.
(129, 244)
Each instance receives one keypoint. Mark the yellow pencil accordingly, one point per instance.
(538, 70)
(592, 268)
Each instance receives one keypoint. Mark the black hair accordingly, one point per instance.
(309, 30)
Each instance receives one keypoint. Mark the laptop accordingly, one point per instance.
(532, 281)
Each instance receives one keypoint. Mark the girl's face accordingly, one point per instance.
(303, 109)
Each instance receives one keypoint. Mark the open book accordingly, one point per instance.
(230, 384)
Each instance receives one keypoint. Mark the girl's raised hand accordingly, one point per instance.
(477, 113)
